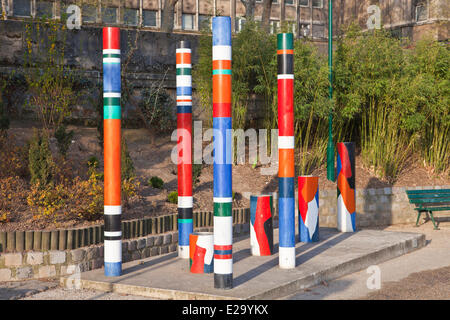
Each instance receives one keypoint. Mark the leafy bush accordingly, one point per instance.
(14, 159)
(13, 193)
(156, 182)
(40, 160)
(63, 139)
(129, 190)
(196, 172)
(127, 166)
(173, 197)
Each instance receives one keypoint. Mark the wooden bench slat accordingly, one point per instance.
(432, 209)
(428, 195)
(437, 191)
(430, 200)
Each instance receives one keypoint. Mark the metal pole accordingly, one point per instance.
(111, 138)
(330, 147)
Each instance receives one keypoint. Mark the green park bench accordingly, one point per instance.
(429, 201)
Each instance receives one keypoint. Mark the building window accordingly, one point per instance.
(88, 13)
(44, 9)
(204, 22)
(421, 12)
(274, 26)
(188, 21)
(290, 2)
(304, 30)
(109, 15)
(303, 3)
(22, 8)
(130, 17)
(240, 22)
(149, 18)
(275, 1)
(318, 31)
(317, 3)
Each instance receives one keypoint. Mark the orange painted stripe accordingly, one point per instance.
(284, 51)
(184, 100)
(183, 58)
(222, 85)
(221, 64)
(111, 130)
(286, 163)
(347, 193)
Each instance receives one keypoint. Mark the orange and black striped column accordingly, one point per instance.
(286, 202)
(111, 138)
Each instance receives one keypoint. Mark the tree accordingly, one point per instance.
(265, 21)
(167, 15)
(249, 9)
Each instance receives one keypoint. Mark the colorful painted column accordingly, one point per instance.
(184, 134)
(261, 225)
(286, 201)
(346, 201)
(111, 138)
(308, 208)
(201, 252)
(223, 220)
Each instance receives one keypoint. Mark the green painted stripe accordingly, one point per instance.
(111, 55)
(285, 41)
(222, 209)
(185, 220)
(222, 71)
(111, 112)
(111, 101)
(183, 71)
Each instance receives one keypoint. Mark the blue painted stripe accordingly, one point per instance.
(221, 30)
(208, 268)
(222, 181)
(222, 134)
(113, 269)
(338, 165)
(353, 216)
(223, 252)
(304, 232)
(184, 91)
(286, 221)
(111, 77)
(185, 229)
(184, 109)
(286, 187)
(253, 206)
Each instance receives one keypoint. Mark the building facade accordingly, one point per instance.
(309, 18)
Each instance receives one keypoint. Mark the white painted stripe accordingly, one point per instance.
(184, 103)
(312, 215)
(185, 202)
(183, 252)
(254, 245)
(183, 50)
(113, 250)
(223, 266)
(184, 81)
(207, 241)
(111, 51)
(184, 98)
(111, 60)
(287, 257)
(221, 53)
(113, 233)
(223, 231)
(222, 200)
(111, 94)
(113, 210)
(184, 65)
(285, 76)
(285, 142)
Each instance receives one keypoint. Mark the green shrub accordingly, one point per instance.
(156, 182)
(40, 160)
(173, 197)
(93, 162)
(196, 172)
(127, 166)
(63, 139)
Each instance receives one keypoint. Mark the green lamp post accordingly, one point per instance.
(330, 147)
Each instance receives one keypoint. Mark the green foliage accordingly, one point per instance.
(156, 182)
(173, 197)
(40, 160)
(127, 166)
(196, 172)
(63, 139)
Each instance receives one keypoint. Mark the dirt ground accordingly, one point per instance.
(155, 160)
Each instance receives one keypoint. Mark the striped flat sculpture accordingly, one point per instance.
(201, 252)
(346, 201)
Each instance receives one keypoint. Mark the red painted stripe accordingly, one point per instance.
(111, 38)
(286, 107)
(225, 247)
(221, 110)
(184, 149)
(224, 257)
